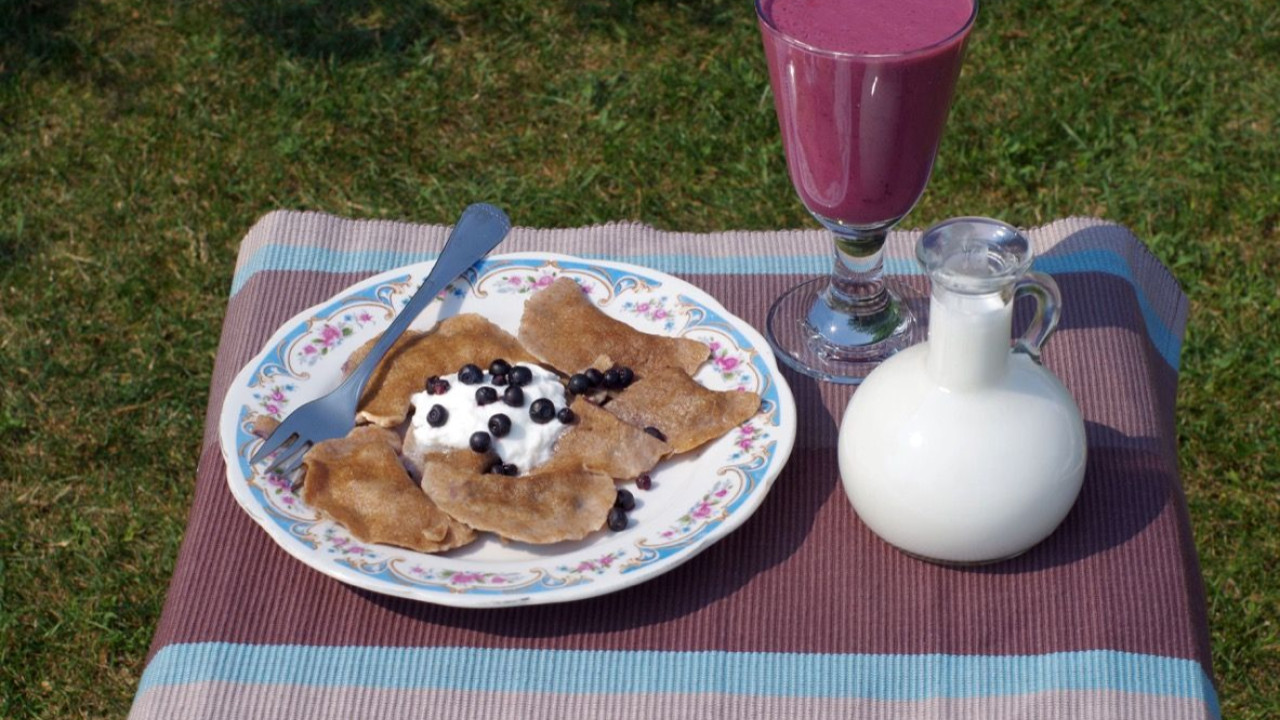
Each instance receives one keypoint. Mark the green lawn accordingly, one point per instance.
(140, 140)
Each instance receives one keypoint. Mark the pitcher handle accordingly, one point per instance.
(1048, 308)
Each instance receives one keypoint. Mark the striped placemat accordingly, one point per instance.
(800, 613)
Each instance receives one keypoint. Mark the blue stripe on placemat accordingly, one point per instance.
(875, 677)
(302, 257)
(305, 258)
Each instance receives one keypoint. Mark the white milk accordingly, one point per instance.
(958, 449)
(969, 338)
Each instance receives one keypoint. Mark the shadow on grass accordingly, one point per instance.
(12, 249)
(600, 14)
(343, 30)
(31, 34)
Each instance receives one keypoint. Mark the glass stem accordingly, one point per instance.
(857, 278)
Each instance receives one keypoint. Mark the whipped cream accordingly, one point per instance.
(528, 445)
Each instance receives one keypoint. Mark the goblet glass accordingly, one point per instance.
(862, 90)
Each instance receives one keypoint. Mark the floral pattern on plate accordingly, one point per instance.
(693, 501)
(332, 334)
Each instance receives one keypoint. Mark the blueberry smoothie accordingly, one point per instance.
(862, 89)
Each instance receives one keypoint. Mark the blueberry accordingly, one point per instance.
(509, 469)
(437, 416)
(499, 367)
(480, 441)
(499, 425)
(500, 380)
(644, 482)
(625, 500)
(617, 519)
(521, 375)
(437, 386)
(470, 374)
(513, 396)
(566, 416)
(656, 433)
(579, 384)
(542, 410)
(627, 376)
(612, 380)
(594, 376)
(486, 395)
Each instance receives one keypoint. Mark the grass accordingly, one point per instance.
(140, 140)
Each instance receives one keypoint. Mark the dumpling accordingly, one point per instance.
(416, 356)
(563, 328)
(684, 411)
(552, 504)
(601, 442)
(360, 482)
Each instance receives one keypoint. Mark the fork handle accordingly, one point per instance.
(480, 228)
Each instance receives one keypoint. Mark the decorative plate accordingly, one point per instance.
(696, 498)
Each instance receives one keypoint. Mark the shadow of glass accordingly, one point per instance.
(343, 30)
(773, 534)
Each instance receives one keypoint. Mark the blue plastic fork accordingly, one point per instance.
(478, 231)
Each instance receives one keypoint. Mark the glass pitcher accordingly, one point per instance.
(964, 448)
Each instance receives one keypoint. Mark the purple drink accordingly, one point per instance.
(862, 89)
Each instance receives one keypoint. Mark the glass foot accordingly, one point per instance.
(818, 337)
